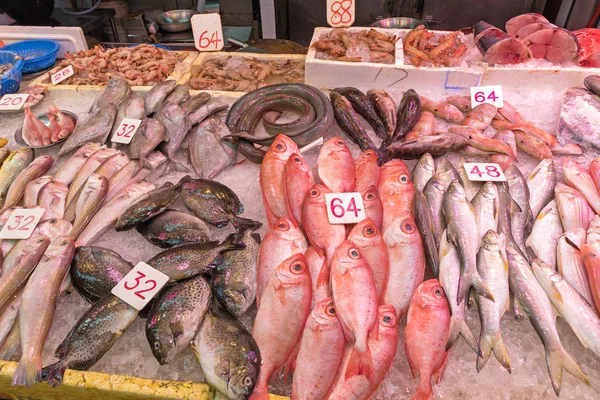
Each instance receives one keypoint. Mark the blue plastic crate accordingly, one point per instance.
(38, 54)
(11, 79)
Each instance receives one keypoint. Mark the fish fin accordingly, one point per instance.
(576, 239)
(28, 372)
(360, 363)
(424, 389)
(570, 149)
(230, 243)
(518, 309)
(324, 277)
(244, 224)
(439, 374)
(487, 343)
(481, 287)
(53, 373)
(559, 359)
(458, 326)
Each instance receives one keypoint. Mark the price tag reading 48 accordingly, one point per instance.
(487, 94)
(125, 131)
(21, 223)
(345, 208)
(484, 172)
(208, 32)
(140, 285)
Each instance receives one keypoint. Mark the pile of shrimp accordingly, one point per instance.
(424, 48)
(244, 74)
(359, 46)
(142, 65)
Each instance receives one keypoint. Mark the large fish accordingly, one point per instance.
(298, 181)
(172, 228)
(335, 166)
(114, 93)
(37, 308)
(208, 155)
(541, 184)
(423, 171)
(12, 167)
(579, 178)
(32, 171)
(367, 171)
(95, 129)
(545, 234)
(486, 205)
(575, 212)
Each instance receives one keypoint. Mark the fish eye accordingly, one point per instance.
(297, 268)
(438, 292)
(331, 310)
(369, 196)
(403, 178)
(354, 254)
(280, 147)
(156, 346)
(283, 226)
(340, 142)
(314, 193)
(387, 319)
(369, 231)
(297, 159)
(369, 153)
(407, 226)
(247, 381)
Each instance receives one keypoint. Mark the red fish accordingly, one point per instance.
(335, 166)
(298, 181)
(396, 190)
(367, 170)
(373, 205)
(315, 258)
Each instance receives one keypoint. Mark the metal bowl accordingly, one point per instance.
(175, 20)
(399, 23)
(44, 119)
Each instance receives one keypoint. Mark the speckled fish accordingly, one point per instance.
(156, 95)
(486, 205)
(32, 190)
(18, 265)
(189, 260)
(541, 184)
(52, 198)
(172, 228)
(385, 107)
(132, 107)
(493, 269)
(151, 204)
(115, 92)
(437, 145)
(367, 171)
(235, 280)
(463, 233)
(35, 321)
(575, 213)
(67, 172)
(92, 336)
(579, 178)
(361, 104)
(95, 129)
(572, 254)
(519, 192)
(89, 201)
(547, 230)
(348, 121)
(32, 171)
(298, 181)
(423, 171)
(12, 167)
(176, 125)
(150, 134)
(95, 271)
(212, 202)
(228, 355)
(207, 154)
(194, 102)
(434, 194)
(175, 317)
(408, 114)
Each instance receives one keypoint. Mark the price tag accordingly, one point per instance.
(61, 75)
(13, 101)
(345, 208)
(340, 13)
(140, 285)
(208, 32)
(484, 172)
(487, 94)
(21, 223)
(125, 131)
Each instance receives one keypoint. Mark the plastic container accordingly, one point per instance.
(39, 54)
(11, 79)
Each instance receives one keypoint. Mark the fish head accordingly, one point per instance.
(233, 299)
(370, 195)
(489, 191)
(53, 228)
(492, 241)
(292, 270)
(426, 162)
(296, 165)
(364, 233)
(60, 247)
(96, 181)
(282, 148)
(162, 342)
(324, 313)
(367, 157)
(544, 167)
(335, 145)
(387, 322)
(347, 256)
(456, 191)
(287, 230)
(395, 176)
(242, 380)
(431, 294)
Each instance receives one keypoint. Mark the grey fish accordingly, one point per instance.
(95, 129)
(114, 93)
(155, 96)
(447, 173)
(194, 102)
(409, 112)
(486, 205)
(179, 95)
(235, 279)
(437, 145)
(132, 107)
(541, 182)
(592, 83)
(95, 271)
(172, 228)
(532, 300)
(424, 220)
(228, 355)
(385, 108)
(175, 317)
(471, 187)
(434, 194)
(205, 111)
(462, 232)
(423, 171)
(546, 232)
(12, 167)
(92, 336)
(176, 125)
(520, 216)
(208, 155)
(151, 133)
(361, 104)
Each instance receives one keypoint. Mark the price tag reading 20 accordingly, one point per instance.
(125, 131)
(21, 223)
(13, 101)
(208, 32)
(140, 285)
(484, 172)
(487, 94)
(345, 208)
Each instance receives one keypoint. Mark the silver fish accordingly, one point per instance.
(423, 171)
(569, 259)
(52, 199)
(545, 234)
(487, 206)
(471, 187)
(67, 172)
(434, 193)
(157, 94)
(541, 184)
(114, 93)
(575, 212)
(521, 215)
(207, 155)
(447, 173)
(32, 190)
(424, 220)
(151, 133)
(16, 190)
(95, 129)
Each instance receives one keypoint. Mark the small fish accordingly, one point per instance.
(205, 111)
(367, 170)
(385, 107)
(477, 140)
(547, 230)
(579, 178)
(434, 195)
(114, 93)
(425, 126)
(487, 207)
(335, 166)
(361, 104)
(349, 123)
(12, 167)
(16, 190)
(447, 173)
(463, 103)
(207, 153)
(573, 208)
(52, 199)
(172, 228)
(92, 195)
(195, 102)
(520, 215)
(508, 138)
(443, 110)
(67, 172)
(541, 184)
(132, 107)
(423, 171)
(150, 134)
(52, 229)
(130, 173)
(155, 96)
(480, 117)
(95, 129)
(298, 181)
(408, 114)
(175, 317)
(32, 190)
(425, 225)
(436, 145)
(179, 95)
(532, 146)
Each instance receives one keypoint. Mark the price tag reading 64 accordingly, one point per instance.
(208, 32)
(21, 223)
(140, 285)
(484, 172)
(487, 94)
(345, 208)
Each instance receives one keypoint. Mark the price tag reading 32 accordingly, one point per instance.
(140, 285)
(340, 13)
(21, 223)
(487, 94)
(345, 208)
(484, 172)
(61, 75)
(208, 32)
(13, 101)
(125, 131)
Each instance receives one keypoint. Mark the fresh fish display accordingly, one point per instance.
(89, 201)
(487, 206)
(335, 166)
(114, 93)
(95, 129)
(149, 135)
(12, 167)
(172, 228)
(361, 104)
(541, 183)
(207, 152)
(155, 96)
(16, 191)
(385, 107)
(298, 181)
(423, 172)
(424, 221)
(52, 198)
(547, 230)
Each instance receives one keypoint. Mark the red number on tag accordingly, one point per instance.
(489, 169)
(352, 207)
(476, 170)
(11, 101)
(126, 131)
(340, 12)
(204, 41)
(337, 207)
(479, 97)
(137, 283)
(18, 219)
(492, 96)
(5, 102)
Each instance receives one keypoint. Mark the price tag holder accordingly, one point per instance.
(345, 208)
(21, 223)
(484, 172)
(61, 75)
(140, 285)
(487, 94)
(340, 13)
(13, 101)
(208, 32)
(126, 130)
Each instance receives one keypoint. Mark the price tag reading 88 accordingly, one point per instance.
(21, 223)
(13, 101)
(345, 208)
(484, 172)
(126, 130)
(487, 94)
(208, 32)
(61, 75)
(140, 285)
(340, 13)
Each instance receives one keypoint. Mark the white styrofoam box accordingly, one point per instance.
(71, 39)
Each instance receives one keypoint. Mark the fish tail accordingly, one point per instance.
(458, 326)
(557, 360)
(231, 243)
(487, 343)
(245, 224)
(28, 371)
(53, 373)
(424, 389)
(360, 363)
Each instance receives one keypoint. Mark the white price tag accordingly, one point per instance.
(208, 32)
(125, 131)
(61, 75)
(487, 94)
(21, 223)
(140, 285)
(340, 13)
(484, 172)
(13, 101)
(345, 208)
